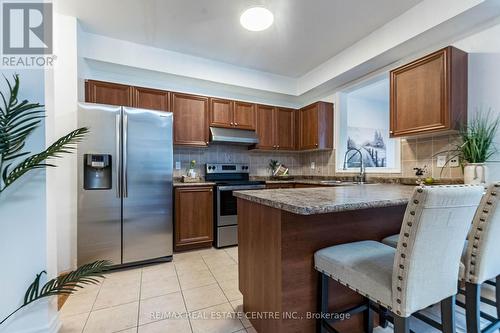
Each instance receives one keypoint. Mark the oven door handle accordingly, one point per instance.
(240, 188)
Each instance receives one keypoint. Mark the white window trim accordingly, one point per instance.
(336, 142)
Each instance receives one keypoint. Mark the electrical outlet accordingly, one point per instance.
(454, 162)
(441, 161)
(177, 165)
(313, 165)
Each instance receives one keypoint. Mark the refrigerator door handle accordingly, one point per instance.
(118, 155)
(125, 156)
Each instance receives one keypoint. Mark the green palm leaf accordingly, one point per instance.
(62, 146)
(17, 121)
(66, 284)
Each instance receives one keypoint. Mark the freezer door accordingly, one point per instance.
(99, 210)
(147, 186)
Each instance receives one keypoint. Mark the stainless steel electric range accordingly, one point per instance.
(228, 178)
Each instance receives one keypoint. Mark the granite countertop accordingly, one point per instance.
(310, 201)
(178, 183)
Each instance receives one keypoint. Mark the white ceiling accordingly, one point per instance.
(305, 33)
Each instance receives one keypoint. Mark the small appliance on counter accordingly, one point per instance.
(228, 178)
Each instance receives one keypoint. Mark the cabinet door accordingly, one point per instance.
(193, 217)
(244, 115)
(419, 96)
(265, 127)
(153, 99)
(221, 113)
(108, 93)
(309, 127)
(190, 119)
(285, 128)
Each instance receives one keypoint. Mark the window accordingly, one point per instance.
(363, 126)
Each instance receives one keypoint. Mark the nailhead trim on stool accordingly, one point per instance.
(479, 224)
(413, 212)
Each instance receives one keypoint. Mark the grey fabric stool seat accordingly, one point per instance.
(404, 280)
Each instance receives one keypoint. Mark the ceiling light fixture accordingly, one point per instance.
(256, 19)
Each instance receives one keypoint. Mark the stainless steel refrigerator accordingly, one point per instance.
(124, 185)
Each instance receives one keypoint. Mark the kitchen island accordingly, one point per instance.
(279, 231)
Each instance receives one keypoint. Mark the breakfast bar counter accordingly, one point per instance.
(279, 231)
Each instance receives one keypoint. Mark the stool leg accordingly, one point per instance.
(368, 317)
(382, 315)
(448, 315)
(322, 301)
(401, 324)
(472, 307)
(497, 293)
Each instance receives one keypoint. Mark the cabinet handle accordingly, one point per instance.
(235, 124)
(391, 132)
(316, 145)
(232, 124)
(278, 146)
(207, 142)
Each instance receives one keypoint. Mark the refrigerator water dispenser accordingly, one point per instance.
(97, 172)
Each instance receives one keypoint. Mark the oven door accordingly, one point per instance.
(227, 209)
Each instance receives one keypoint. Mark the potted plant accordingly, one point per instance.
(18, 120)
(476, 147)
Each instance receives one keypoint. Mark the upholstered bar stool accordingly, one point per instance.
(480, 261)
(422, 270)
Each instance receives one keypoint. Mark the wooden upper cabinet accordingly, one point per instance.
(429, 94)
(316, 126)
(265, 127)
(285, 128)
(221, 113)
(190, 119)
(244, 115)
(108, 93)
(193, 217)
(153, 99)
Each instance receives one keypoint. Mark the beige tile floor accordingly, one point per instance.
(198, 283)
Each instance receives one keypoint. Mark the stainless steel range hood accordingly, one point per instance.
(234, 136)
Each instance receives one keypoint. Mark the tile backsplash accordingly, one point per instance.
(414, 153)
(258, 161)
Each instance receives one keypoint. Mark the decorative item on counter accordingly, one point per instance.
(420, 172)
(273, 165)
(281, 172)
(191, 172)
(191, 175)
(477, 147)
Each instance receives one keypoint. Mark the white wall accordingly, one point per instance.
(62, 98)
(484, 94)
(23, 225)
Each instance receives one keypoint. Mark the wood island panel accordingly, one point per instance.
(276, 260)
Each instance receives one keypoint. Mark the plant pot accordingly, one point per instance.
(475, 173)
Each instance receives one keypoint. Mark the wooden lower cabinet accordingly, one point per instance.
(273, 186)
(193, 217)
